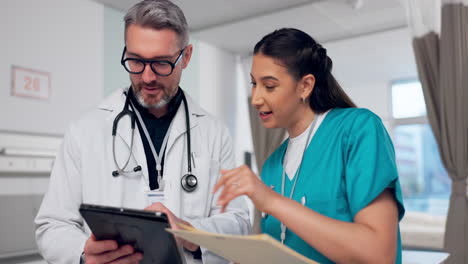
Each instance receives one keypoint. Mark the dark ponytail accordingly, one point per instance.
(302, 55)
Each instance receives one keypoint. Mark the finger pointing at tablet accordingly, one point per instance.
(173, 221)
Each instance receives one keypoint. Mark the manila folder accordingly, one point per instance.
(252, 249)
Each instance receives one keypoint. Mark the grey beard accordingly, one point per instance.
(163, 102)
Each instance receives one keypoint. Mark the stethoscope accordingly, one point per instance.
(189, 181)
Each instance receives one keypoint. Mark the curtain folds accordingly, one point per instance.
(442, 61)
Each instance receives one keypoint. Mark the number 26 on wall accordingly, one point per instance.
(30, 83)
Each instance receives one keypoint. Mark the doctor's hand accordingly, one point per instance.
(108, 251)
(173, 221)
(242, 181)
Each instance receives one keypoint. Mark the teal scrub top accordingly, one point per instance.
(348, 163)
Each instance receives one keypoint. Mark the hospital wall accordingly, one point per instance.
(65, 40)
(62, 38)
(115, 76)
(216, 80)
(83, 59)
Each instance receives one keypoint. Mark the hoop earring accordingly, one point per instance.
(303, 100)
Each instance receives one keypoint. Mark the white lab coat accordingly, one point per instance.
(83, 174)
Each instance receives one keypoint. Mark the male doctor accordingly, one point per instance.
(156, 52)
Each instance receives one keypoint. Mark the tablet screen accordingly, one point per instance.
(144, 230)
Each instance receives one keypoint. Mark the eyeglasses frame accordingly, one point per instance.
(150, 62)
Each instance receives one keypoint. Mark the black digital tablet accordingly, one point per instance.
(144, 230)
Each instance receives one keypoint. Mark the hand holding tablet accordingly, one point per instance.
(142, 230)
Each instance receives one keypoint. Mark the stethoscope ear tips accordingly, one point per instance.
(117, 173)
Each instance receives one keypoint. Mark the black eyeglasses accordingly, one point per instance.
(159, 67)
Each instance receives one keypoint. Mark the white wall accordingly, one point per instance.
(366, 66)
(218, 83)
(63, 38)
(190, 80)
(115, 76)
(218, 86)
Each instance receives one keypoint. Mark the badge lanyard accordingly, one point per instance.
(296, 176)
(157, 157)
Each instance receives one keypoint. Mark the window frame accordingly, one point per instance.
(420, 231)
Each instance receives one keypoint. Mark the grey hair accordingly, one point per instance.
(159, 14)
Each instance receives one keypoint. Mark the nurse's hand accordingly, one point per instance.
(108, 251)
(242, 181)
(173, 221)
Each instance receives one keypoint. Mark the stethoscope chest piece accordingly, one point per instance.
(189, 182)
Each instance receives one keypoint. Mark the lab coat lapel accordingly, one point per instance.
(178, 127)
(174, 166)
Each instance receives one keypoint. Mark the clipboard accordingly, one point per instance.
(144, 230)
(251, 249)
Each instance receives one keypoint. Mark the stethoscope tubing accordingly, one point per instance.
(187, 123)
(189, 181)
(123, 113)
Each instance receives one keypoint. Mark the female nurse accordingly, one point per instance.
(331, 190)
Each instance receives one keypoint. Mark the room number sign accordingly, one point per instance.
(30, 83)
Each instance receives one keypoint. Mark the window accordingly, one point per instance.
(425, 184)
(408, 100)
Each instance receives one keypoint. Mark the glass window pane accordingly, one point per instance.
(424, 181)
(408, 100)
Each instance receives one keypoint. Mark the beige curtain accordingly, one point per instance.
(265, 141)
(443, 70)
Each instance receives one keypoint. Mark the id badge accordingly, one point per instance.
(154, 196)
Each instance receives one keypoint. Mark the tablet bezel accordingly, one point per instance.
(126, 219)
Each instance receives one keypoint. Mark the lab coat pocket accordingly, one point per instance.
(198, 203)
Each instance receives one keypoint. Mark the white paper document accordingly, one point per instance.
(252, 249)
